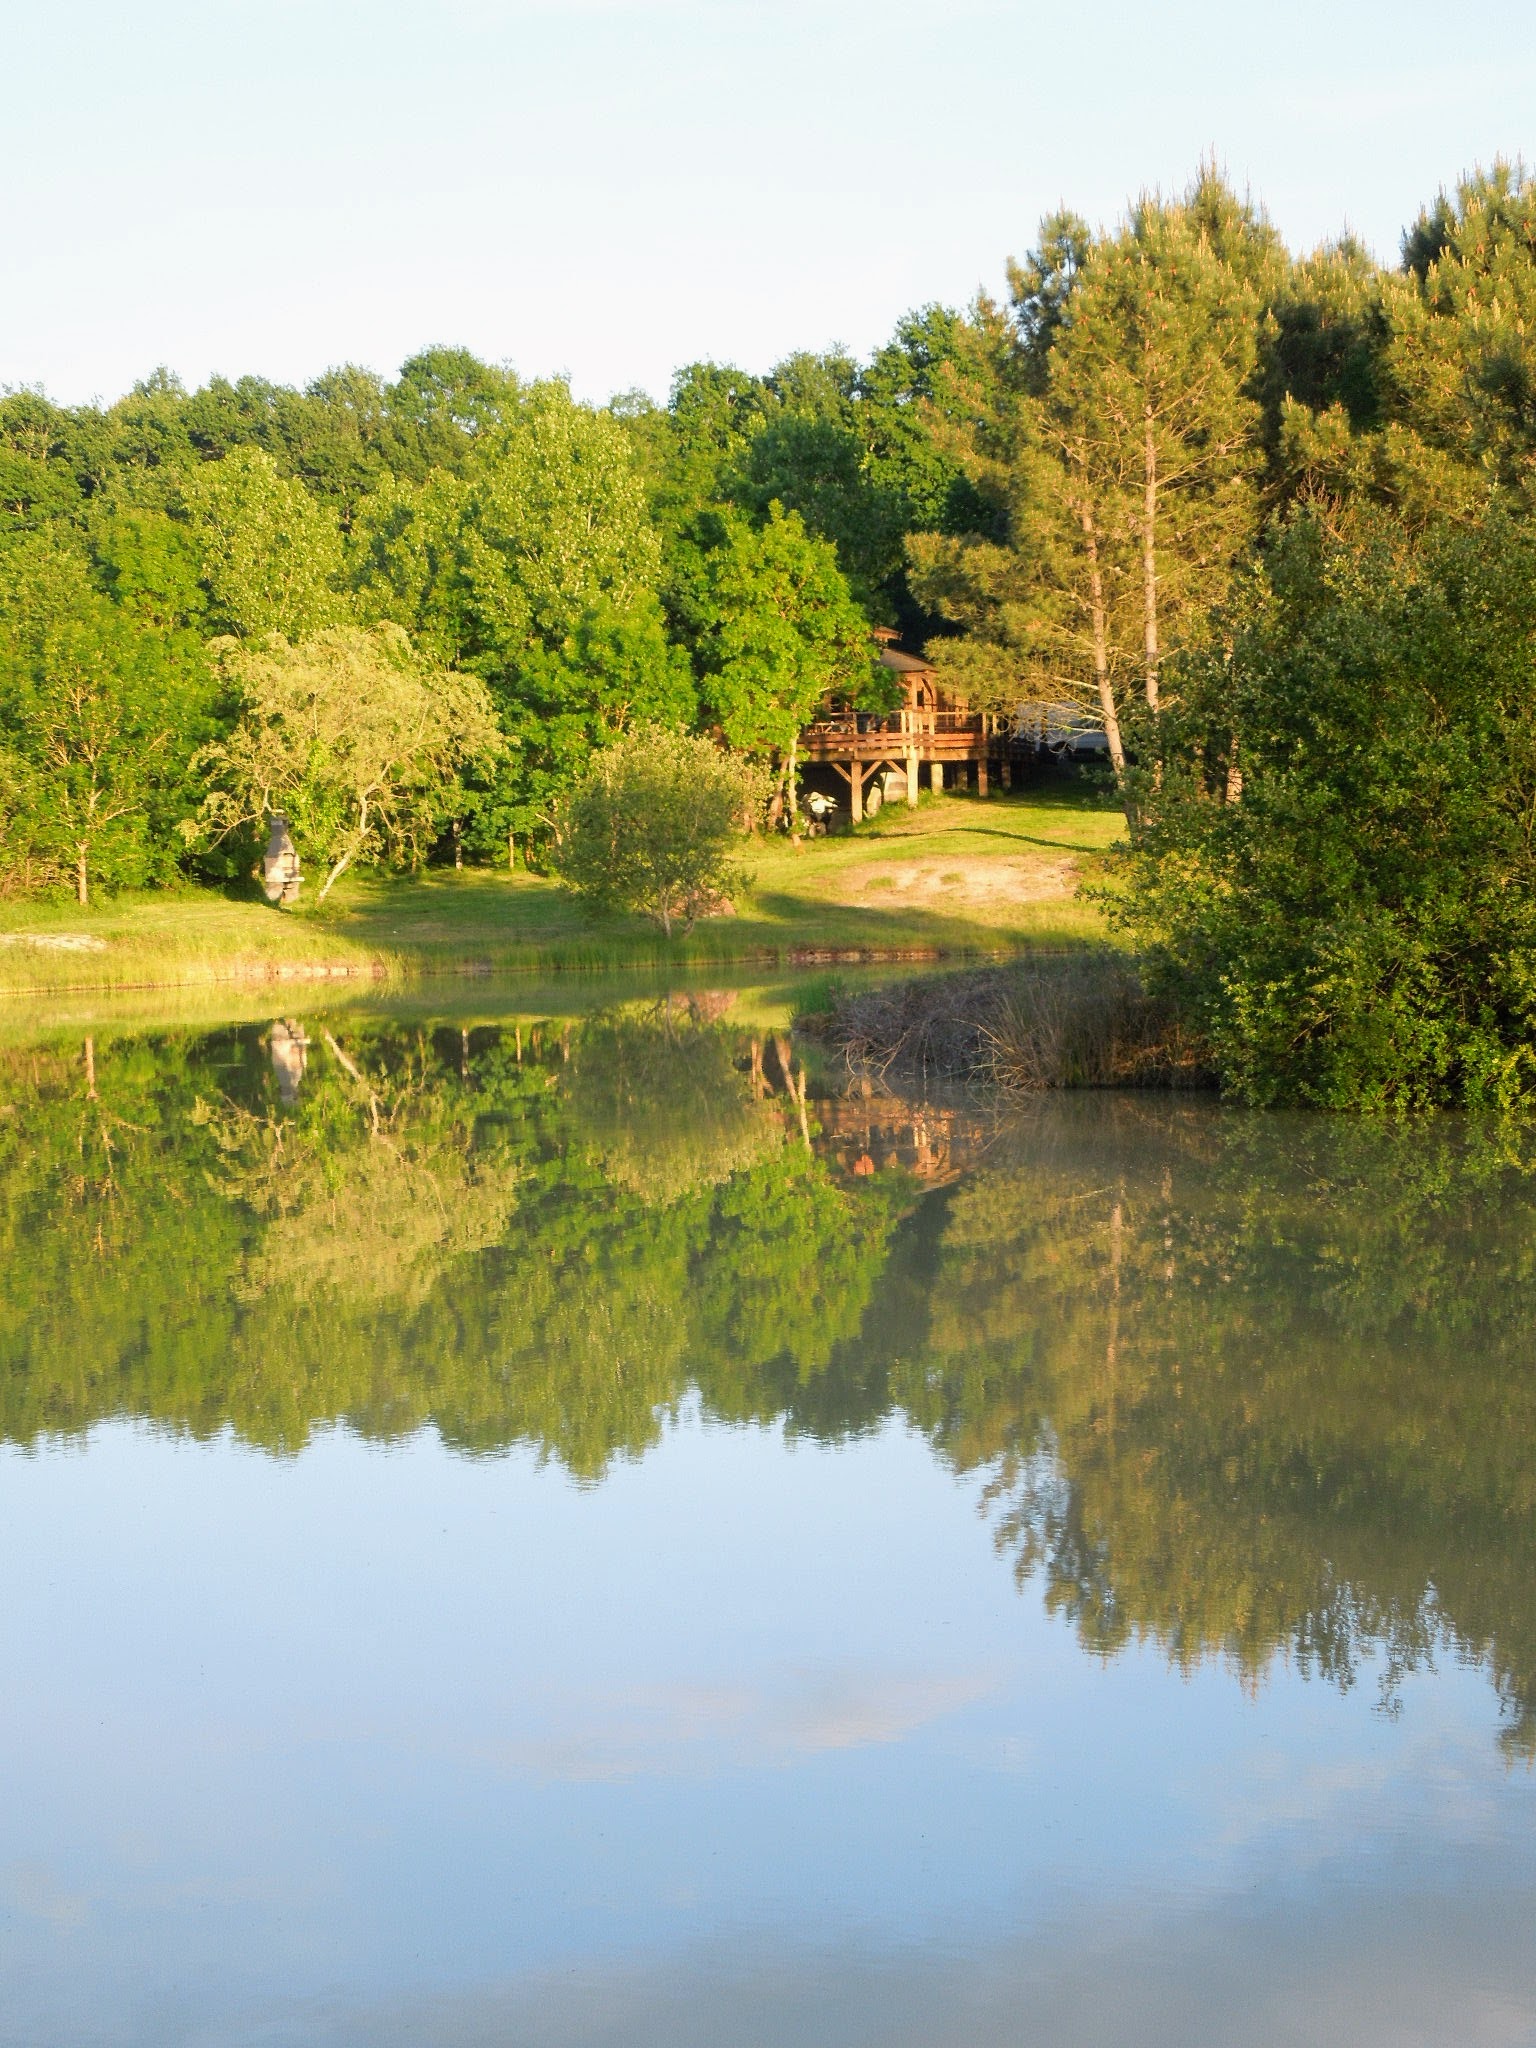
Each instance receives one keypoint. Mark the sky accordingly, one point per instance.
(610, 188)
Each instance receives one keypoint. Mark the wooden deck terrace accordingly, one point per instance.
(954, 746)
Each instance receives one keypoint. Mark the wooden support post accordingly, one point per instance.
(1007, 771)
(936, 775)
(981, 775)
(912, 776)
(856, 774)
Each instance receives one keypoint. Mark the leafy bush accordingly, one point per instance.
(1358, 927)
(650, 826)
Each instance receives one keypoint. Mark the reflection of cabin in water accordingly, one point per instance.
(864, 1133)
(884, 1134)
(881, 755)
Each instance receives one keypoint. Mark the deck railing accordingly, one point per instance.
(908, 724)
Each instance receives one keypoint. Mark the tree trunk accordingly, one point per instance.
(360, 840)
(82, 883)
(798, 1095)
(511, 853)
(1149, 559)
(794, 809)
(458, 843)
(1234, 787)
(334, 876)
(1100, 625)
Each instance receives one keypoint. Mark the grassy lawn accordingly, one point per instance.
(957, 876)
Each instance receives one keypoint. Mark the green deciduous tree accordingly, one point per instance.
(270, 554)
(535, 572)
(359, 741)
(780, 632)
(149, 563)
(616, 670)
(98, 719)
(812, 456)
(42, 474)
(1359, 929)
(847, 446)
(651, 824)
(490, 567)
(692, 454)
(445, 409)
(911, 396)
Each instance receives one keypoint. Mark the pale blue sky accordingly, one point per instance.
(613, 187)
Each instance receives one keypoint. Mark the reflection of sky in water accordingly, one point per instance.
(747, 1743)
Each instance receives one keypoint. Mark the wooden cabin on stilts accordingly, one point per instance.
(881, 756)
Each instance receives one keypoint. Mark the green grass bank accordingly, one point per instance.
(958, 877)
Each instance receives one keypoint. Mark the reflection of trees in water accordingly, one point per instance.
(1251, 1388)
(661, 1106)
(369, 1179)
(545, 1241)
(1246, 1386)
(108, 1235)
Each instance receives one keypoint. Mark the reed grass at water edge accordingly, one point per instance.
(1079, 1019)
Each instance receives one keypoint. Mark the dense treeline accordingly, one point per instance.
(1246, 1391)
(1266, 518)
(184, 570)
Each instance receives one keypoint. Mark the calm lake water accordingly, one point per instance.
(508, 1536)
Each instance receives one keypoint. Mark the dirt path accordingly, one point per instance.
(961, 883)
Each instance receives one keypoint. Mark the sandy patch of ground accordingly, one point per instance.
(956, 884)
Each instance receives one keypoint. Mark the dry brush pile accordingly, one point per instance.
(1065, 1020)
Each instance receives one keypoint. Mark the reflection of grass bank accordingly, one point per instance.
(955, 877)
(745, 996)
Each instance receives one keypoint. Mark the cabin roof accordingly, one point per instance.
(906, 664)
